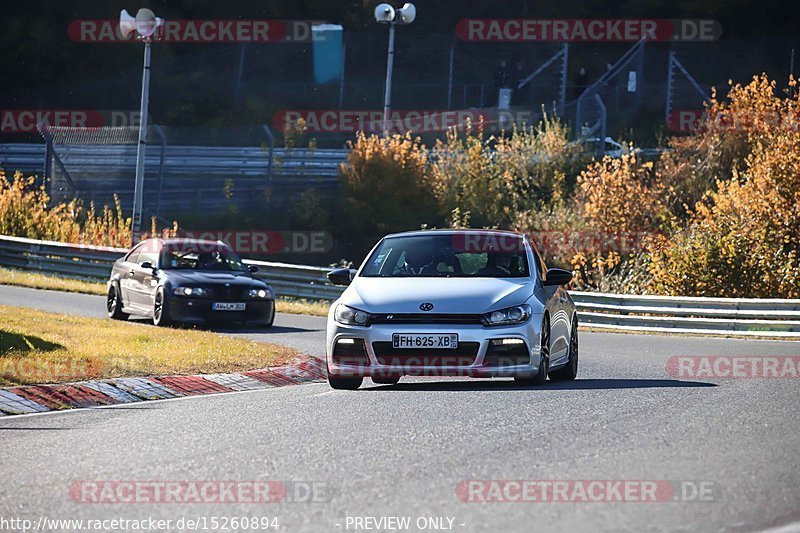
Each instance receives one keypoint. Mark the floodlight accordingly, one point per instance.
(407, 13)
(147, 23)
(127, 24)
(384, 13)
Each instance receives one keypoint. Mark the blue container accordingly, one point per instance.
(328, 52)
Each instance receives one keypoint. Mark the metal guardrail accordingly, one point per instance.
(178, 160)
(180, 178)
(94, 263)
(737, 316)
(728, 316)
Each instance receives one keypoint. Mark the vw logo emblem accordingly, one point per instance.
(427, 306)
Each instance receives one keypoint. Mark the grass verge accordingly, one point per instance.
(41, 347)
(36, 280)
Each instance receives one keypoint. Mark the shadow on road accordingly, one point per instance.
(273, 329)
(580, 384)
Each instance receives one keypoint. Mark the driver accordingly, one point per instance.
(419, 261)
(497, 265)
(210, 260)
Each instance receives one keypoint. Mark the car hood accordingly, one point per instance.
(201, 277)
(448, 295)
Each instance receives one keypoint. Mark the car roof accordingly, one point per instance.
(455, 231)
(176, 242)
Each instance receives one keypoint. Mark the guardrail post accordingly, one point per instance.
(271, 139)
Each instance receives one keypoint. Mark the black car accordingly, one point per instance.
(188, 281)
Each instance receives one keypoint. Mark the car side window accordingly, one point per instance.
(148, 256)
(133, 257)
(540, 266)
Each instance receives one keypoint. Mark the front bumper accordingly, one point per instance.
(475, 356)
(199, 311)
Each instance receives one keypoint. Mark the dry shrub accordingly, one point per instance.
(620, 194)
(556, 232)
(387, 188)
(744, 239)
(621, 201)
(24, 212)
(492, 180)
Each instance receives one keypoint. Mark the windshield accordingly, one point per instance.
(449, 256)
(221, 259)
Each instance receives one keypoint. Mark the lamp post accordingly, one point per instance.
(145, 25)
(386, 14)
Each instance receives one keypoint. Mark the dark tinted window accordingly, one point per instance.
(449, 255)
(200, 258)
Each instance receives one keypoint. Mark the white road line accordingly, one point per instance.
(793, 527)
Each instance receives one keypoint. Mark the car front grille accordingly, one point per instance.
(228, 293)
(464, 355)
(426, 318)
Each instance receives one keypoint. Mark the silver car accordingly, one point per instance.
(477, 303)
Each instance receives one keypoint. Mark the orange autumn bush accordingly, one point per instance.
(743, 240)
(386, 188)
(25, 212)
(621, 202)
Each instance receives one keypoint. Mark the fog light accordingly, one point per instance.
(502, 342)
(346, 341)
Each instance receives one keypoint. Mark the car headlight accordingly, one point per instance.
(260, 293)
(350, 316)
(189, 291)
(512, 315)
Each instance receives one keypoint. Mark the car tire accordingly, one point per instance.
(544, 359)
(386, 380)
(161, 309)
(570, 371)
(342, 383)
(114, 304)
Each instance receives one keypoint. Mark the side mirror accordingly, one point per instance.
(340, 276)
(557, 276)
(147, 265)
(252, 269)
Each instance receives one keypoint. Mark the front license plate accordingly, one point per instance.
(229, 306)
(422, 340)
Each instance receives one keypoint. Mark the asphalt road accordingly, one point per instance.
(401, 451)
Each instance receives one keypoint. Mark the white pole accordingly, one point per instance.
(140, 149)
(387, 95)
